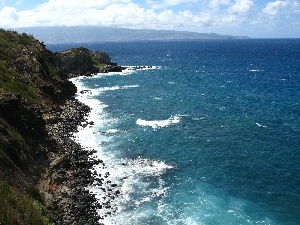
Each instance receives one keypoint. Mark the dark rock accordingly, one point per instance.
(38, 115)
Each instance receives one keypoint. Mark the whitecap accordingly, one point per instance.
(198, 118)
(112, 131)
(130, 86)
(113, 88)
(148, 167)
(260, 125)
(159, 123)
(130, 175)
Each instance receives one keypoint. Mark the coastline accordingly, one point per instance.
(65, 181)
(68, 182)
(39, 120)
(115, 178)
(101, 177)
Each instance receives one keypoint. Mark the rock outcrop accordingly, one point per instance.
(43, 173)
(81, 61)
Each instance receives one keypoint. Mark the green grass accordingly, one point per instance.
(28, 92)
(39, 65)
(9, 81)
(17, 208)
(11, 44)
(98, 64)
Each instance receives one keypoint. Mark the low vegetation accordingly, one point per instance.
(33, 84)
(20, 208)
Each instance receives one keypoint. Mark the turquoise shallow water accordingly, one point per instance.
(209, 135)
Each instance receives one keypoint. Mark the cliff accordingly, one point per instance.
(36, 115)
(81, 61)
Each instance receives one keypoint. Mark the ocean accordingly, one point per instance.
(208, 134)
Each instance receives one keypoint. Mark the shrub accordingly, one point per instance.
(17, 208)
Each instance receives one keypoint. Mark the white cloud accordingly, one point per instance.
(178, 2)
(241, 6)
(275, 8)
(122, 14)
(203, 16)
(79, 4)
(272, 8)
(157, 4)
(8, 16)
(106, 12)
(217, 3)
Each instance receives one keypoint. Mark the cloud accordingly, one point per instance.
(278, 7)
(8, 16)
(272, 8)
(178, 2)
(157, 4)
(218, 3)
(79, 4)
(241, 6)
(192, 15)
(109, 12)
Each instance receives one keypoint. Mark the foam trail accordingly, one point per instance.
(159, 123)
(125, 176)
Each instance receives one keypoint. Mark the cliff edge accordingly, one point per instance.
(37, 112)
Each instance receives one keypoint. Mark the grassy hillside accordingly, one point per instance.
(26, 69)
(34, 88)
(25, 64)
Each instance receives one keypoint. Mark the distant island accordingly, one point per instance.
(92, 34)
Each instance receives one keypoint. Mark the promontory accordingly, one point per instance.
(43, 173)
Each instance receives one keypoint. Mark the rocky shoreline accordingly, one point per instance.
(66, 181)
(39, 157)
(63, 184)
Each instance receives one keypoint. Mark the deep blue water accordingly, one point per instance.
(210, 135)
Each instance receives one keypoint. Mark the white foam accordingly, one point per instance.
(147, 166)
(112, 131)
(113, 88)
(260, 125)
(129, 70)
(159, 123)
(198, 118)
(129, 174)
(134, 68)
(190, 221)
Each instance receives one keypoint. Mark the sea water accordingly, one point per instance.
(210, 134)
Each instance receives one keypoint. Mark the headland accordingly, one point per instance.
(43, 172)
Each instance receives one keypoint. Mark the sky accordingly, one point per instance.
(253, 18)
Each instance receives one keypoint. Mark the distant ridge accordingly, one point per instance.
(81, 34)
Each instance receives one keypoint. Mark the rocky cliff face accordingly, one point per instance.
(81, 61)
(34, 88)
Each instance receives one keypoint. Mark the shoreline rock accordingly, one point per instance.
(69, 174)
(39, 160)
(65, 183)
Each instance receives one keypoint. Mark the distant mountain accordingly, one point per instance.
(78, 34)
